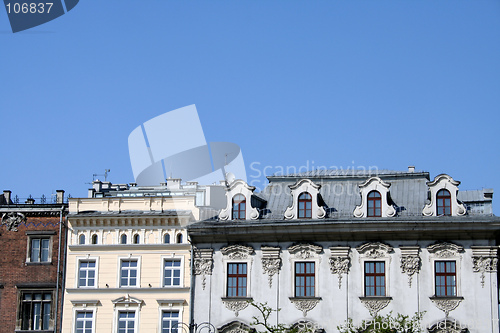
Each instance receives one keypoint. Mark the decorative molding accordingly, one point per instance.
(271, 262)
(375, 304)
(484, 259)
(239, 187)
(128, 301)
(441, 182)
(374, 184)
(237, 251)
(203, 261)
(304, 251)
(375, 250)
(339, 261)
(13, 220)
(410, 261)
(305, 185)
(305, 304)
(236, 304)
(445, 250)
(446, 304)
(235, 327)
(447, 326)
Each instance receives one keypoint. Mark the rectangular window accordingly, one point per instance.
(172, 273)
(304, 279)
(169, 322)
(126, 322)
(446, 278)
(128, 273)
(39, 249)
(36, 310)
(237, 280)
(83, 322)
(86, 273)
(374, 278)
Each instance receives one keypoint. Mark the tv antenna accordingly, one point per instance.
(106, 171)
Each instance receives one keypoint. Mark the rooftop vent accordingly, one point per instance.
(411, 168)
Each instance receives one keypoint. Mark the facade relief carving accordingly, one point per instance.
(484, 260)
(410, 261)
(445, 250)
(13, 220)
(203, 262)
(446, 304)
(237, 251)
(374, 305)
(375, 250)
(339, 261)
(271, 262)
(304, 251)
(305, 304)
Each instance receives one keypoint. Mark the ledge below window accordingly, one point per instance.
(446, 303)
(305, 304)
(375, 303)
(236, 304)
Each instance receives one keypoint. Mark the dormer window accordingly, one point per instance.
(239, 207)
(443, 203)
(305, 205)
(374, 204)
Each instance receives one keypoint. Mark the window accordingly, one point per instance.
(128, 273)
(236, 280)
(81, 240)
(374, 278)
(39, 249)
(305, 205)
(36, 310)
(137, 239)
(446, 278)
(166, 238)
(94, 239)
(84, 321)
(304, 279)
(123, 239)
(179, 238)
(172, 273)
(374, 204)
(443, 202)
(169, 321)
(239, 207)
(86, 273)
(126, 322)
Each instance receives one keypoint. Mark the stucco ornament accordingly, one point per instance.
(305, 251)
(235, 327)
(339, 261)
(203, 261)
(410, 261)
(271, 262)
(374, 250)
(447, 326)
(301, 186)
(447, 304)
(236, 305)
(374, 305)
(234, 188)
(441, 182)
(484, 260)
(374, 184)
(237, 251)
(305, 304)
(13, 220)
(445, 250)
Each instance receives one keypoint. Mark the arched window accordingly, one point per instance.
(179, 238)
(239, 207)
(166, 239)
(305, 205)
(137, 239)
(374, 204)
(94, 239)
(443, 202)
(123, 239)
(81, 241)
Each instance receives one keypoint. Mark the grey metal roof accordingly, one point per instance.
(475, 195)
(346, 172)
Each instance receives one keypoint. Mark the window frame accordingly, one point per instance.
(387, 260)
(305, 210)
(442, 198)
(305, 275)
(237, 276)
(239, 210)
(181, 268)
(96, 272)
(20, 307)
(165, 306)
(166, 234)
(373, 200)
(78, 309)
(138, 277)
(445, 274)
(374, 275)
(40, 237)
(121, 309)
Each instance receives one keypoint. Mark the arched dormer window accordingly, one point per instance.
(166, 239)
(239, 207)
(81, 240)
(123, 239)
(137, 239)
(443, 202)
(179, 238)
(374, 204)
(305, 205)
(94, 239)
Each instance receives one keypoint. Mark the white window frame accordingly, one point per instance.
(457, 261)
(119, 309)
(84, 308)
(249, 274)
(386, 262)
(120, 260)
(165, 306)
(316, 271)
(170, 258)
(313, 256)
(28, 251)
(77, 273)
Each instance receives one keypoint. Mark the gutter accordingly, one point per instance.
(59, 270)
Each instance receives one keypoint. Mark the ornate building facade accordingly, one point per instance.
(32, 239)
(329, 246)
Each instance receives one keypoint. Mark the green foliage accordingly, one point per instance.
(264, 322)
(388, 324)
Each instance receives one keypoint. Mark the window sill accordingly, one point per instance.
(30, 263)
(451, 298)
(31, 331)
(300, 298)
(237, 298)
(374, 298)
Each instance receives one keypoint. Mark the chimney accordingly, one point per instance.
(30, 201)
(411, 168)
(59, 196)
(6, 196)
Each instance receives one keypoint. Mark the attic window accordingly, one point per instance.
(443, 200)
(239, 207)
(374, 204)
(305, 205)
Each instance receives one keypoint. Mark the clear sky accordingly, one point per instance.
(293, 82)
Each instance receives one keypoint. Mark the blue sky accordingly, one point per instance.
(338, 82)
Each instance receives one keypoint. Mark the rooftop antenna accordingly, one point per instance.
(105, 175)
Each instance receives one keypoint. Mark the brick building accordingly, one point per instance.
(32, 240)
